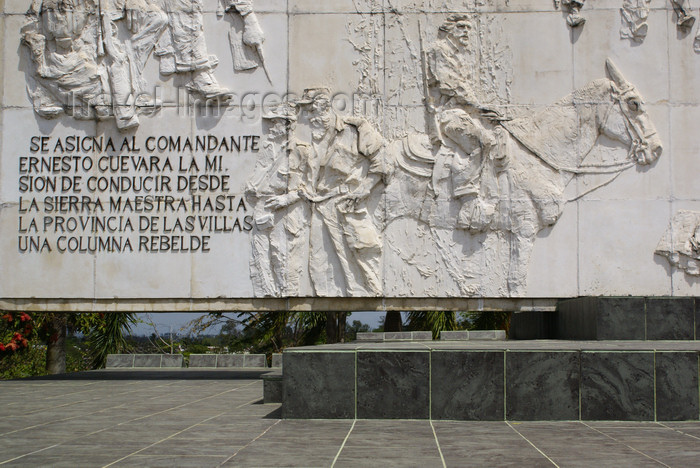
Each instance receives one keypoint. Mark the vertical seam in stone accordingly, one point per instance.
(505, 393)
(646, 310)
(355, 395)
(655, 383)
(430, 394)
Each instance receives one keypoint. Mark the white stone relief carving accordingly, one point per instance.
(574, 18)
(684, 19)
(84, 69)
(680, 243)
(634, 15)
(473, 191)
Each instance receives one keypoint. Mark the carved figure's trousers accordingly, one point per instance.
(185, 35)
(359, 260)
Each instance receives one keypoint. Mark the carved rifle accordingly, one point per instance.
(433, 128)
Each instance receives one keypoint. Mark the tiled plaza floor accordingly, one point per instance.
(216, 418)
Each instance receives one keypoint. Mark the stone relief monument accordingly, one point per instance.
(410, 150)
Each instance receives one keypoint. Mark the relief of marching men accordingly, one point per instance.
(83, 68)
(328, 186)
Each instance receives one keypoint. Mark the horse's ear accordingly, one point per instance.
(615, 74)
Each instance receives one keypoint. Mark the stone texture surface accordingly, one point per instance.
(617, 386)
(202, 360)
(147, 360)
(171, 360)
(670, 319)
(319, 385)
(120, 360)
(620, 319)
(392, 384)
(273, 388)
(230, 360)
(467, 385)
(277, 360)
(255, 360)
(542, 385)
(677, 386)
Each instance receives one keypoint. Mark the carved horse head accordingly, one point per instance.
(627, 120)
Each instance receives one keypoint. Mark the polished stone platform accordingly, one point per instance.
(494, 380)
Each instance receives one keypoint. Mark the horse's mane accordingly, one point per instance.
(552, 132)
(594, 92)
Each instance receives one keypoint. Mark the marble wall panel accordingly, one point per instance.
(677, 386)
(388, 380)
(617, 386)
(467, 386)
(319, 386)
(542, 386)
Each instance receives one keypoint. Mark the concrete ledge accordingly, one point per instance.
(116, 361)
(277, 360)
(227, 360)
(473, 335)
(394, 336)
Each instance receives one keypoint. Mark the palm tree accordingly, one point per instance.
(434, 321)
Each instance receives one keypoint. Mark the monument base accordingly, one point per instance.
(612, 318)
(494, 380)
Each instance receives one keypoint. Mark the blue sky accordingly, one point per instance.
(179, 322)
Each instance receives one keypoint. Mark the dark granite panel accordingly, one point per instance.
(617, 386)
(670, 318)
(697, 318)
(319, 385)
(255, 360)
(120, 360)
(393, 384)
(677, 387)
(533, 325)
(576, 319)
(620, 318)
(230, 360)
(147, 360)
(542, 385)
(467, 385)
(202, 360)
(272, 388)
(171, 360)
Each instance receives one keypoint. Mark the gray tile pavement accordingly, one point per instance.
(159, 418)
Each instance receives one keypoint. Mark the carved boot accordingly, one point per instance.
(205, 84)
(575, 19)
(685, 21)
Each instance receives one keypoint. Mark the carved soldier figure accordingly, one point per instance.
(462, 121)
(345, 166)
(280, 214)
(183, 47)
(66, 38)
